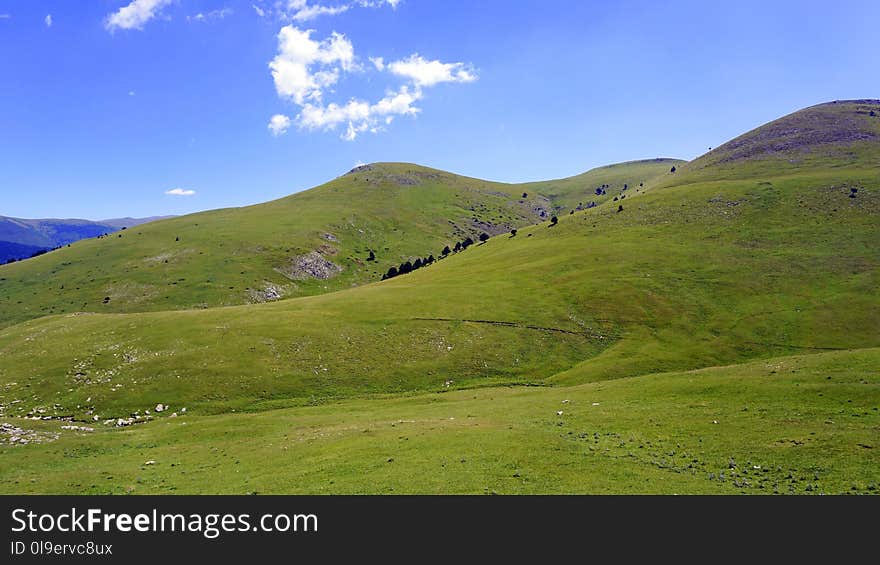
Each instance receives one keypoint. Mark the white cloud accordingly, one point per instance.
(279, 124)
(5, 16)
(48, 20)
(135, 14)
(307, 10)
(212, 15)
(377, 3)
(298, 54)
(304, 69)
(131, 93)
(180, 192)
(428, 73)
(304, 12)
(360, 116)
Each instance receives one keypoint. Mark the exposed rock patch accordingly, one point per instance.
(268, 293)
(406, 178)
(20, 436)
(360, 169)
(310, 266)
(326, 250)
(402, 180)
(480, 226)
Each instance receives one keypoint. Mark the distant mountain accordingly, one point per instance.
(131, 222)
(22, 238)
(10, 251)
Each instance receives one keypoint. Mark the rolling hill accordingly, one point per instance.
(713, 330)
(311, 242)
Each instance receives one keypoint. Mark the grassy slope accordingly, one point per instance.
(681, 279)
(695, 272)
(226, 257)
(569, 193)
(808, 422)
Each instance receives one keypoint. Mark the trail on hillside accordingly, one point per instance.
(587, 334)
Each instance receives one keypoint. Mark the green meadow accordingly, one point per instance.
(710, 330)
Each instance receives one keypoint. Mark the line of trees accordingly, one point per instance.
(410, 266)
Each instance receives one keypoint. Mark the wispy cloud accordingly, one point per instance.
(5, 16)
(307, 10)
(135, 15)
(209, 16)
(180, 192)
(48, 20)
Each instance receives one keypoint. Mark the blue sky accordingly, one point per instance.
(110, 104)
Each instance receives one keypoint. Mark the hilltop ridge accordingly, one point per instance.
(311, 242)
(827, 134)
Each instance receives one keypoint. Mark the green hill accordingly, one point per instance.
(311, 242)
(829, 136)
(732, 291)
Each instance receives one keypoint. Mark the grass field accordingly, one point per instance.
(803, 424)
(740, 289)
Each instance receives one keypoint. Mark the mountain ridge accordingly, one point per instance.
(310, 242)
